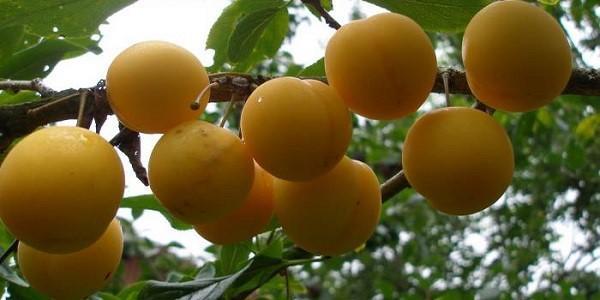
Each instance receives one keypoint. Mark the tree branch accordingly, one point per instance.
(29, 85)
(21, 119)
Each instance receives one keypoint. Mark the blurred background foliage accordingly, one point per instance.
(540, 241)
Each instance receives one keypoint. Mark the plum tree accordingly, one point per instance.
(296, 129)
(75, 275)
(152, 84)
(516, 56)
(248, 220)
(381, 74)
(460, 159)
(53, 182)
(200, 172)
(331, 214)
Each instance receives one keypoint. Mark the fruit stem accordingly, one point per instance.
(11, 248)
(393, 186)
(196, 104)
(446, 87)
(288, 292)
(82, 100)
(227, 110)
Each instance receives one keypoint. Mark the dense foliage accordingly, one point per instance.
(539, 241)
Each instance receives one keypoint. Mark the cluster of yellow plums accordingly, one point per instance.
(60, 187)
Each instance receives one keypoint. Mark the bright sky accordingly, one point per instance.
(186, 23)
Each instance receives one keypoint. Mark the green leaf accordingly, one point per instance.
(17, 292)
(104, 296)
(269, 43)
(149, 202)
(9, 98)
(232, 257)
(40, 59)
(548, 2)
(206, 289)
(71, 18)
(132, 291)
(248, 32)
(11, 38)
(222, 29)
(262, 269)
(206, 271)
(588, 128)
(436, 15)
(327, 5)
(314, 70)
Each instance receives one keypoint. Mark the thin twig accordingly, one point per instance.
(288, 292)
(29, 85)
(446, 88)
(11, 248)
(227, 110)
(82, 101)
(316, 4)
(393, 186)
(38, 109)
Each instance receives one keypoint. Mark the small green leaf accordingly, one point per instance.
(150, 202)
(327, 4)
(436, 15)
(589, 127)
(314, 70)
(248, 31)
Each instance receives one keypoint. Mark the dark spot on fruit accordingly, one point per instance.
(107, 275)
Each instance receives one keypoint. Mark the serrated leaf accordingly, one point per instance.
(150, 202)
(314, 70)
(72, 18)
(436, 15)
(247, 33)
